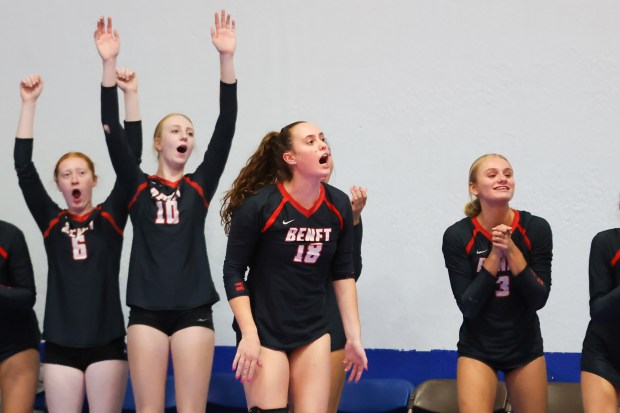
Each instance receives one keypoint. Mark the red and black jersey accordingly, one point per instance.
(17, 290)
(169, 268)
(82, 307)
(499, 313)
(603, 333)
(292, 252)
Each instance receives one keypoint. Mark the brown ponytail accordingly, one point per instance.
(266, 166)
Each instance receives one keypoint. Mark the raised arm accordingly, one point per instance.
(127, 81)
(30, 89)
(225, 41)
(108, 45)
(39, 203)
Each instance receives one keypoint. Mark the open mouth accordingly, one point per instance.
(76, 193)
(182, 149)
(324, 159)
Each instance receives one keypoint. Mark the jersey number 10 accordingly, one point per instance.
(167, 212)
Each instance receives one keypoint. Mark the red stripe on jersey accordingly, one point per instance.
(239, 286)
(81, 218)
(173, 184)
(112, 221)
(478, 228)
(135, 196)
(274, 216)
(4, 254)
(470, 244)
(198, 189)
(53, 223)
(525, 238)
(304, 211)
(335, 211)
(616, 258)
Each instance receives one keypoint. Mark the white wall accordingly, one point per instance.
(408, 93)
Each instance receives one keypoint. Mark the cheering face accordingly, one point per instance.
(495, 183)
(176, 141)
(75, 181)
(310, 154)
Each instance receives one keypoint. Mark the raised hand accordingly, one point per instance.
(107, 40)
(30, 88)
(358, 202)
(223, 35)
(127, 80)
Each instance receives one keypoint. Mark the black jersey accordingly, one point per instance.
(169, 268)
(499, 313)
(603, 334)
(334, 320)
(291, 252)
(82, 307)
(17, 291)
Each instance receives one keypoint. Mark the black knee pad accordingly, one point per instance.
(257, 409)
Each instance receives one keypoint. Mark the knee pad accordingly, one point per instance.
(257, 409)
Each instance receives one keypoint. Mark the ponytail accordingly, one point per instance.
(266, 166)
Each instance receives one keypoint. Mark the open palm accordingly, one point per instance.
(223, 35)
(107, 40)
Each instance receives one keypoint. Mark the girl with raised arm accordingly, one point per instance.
(170, 290)
(83, 324)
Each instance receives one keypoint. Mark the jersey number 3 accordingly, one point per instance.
(503, 286)
(308, 254)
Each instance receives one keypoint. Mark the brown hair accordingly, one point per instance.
(264, 167)
(473, 207)
(80, 155)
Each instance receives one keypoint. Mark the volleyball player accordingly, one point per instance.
(293, 235)
(83, 324)
(19, 329)
(600, 358)
(499, 262)
(170, 290)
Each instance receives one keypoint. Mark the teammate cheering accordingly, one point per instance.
(170, 290)
(293, 235)
(83, 324)
(499, 262)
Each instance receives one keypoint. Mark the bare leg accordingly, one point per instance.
(599, 395)
(105, 385)
(527, 387)
(64, 388)
(18, 381)
(192, 355)
(310, 376)
(476, 385)
(147, 349)
(337, 380)
(269, 386)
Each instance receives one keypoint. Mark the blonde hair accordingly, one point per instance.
(160, 126)
(473, 207)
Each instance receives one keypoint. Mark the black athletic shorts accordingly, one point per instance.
(595, 359)
(82, 357)
(504, 366)
(10, 349)
(171, 321)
